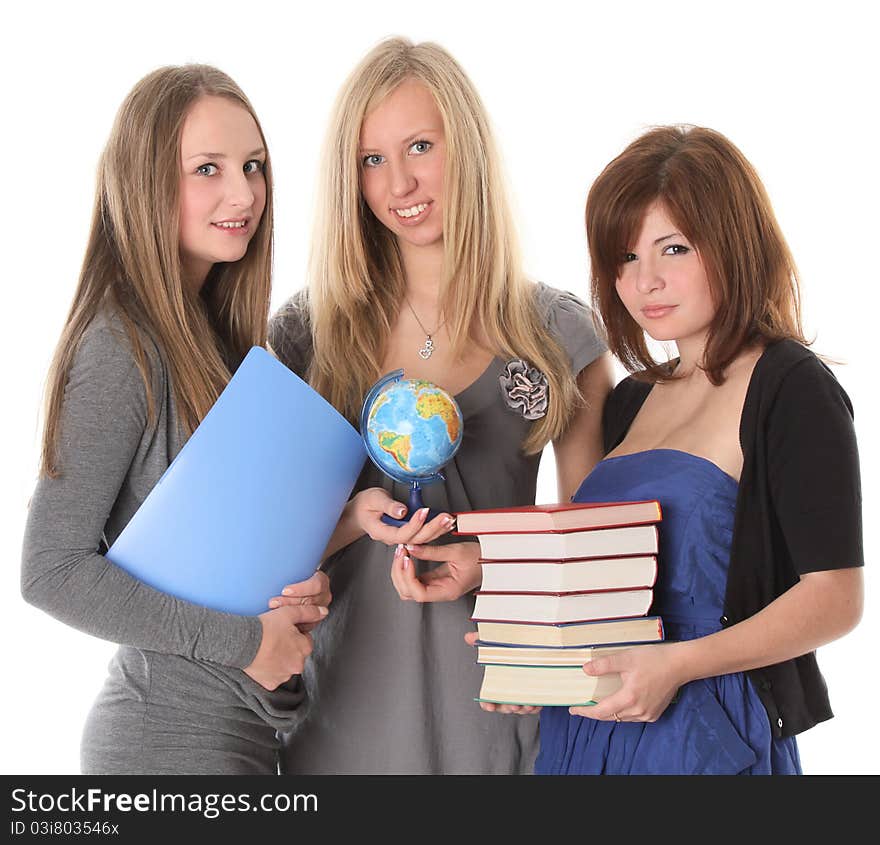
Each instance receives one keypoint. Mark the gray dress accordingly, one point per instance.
(175, 700)
(391, 683)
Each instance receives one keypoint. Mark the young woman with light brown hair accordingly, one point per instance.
(173, 292)
(415, 267)
(747, 441)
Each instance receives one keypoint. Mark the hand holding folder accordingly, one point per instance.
(252, 499)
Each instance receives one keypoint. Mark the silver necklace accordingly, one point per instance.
(428, 349)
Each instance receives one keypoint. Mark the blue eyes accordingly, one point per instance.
(416, 148)
(250, 167)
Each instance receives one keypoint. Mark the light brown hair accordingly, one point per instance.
(356, 282)
(715, 197)
(132, 261)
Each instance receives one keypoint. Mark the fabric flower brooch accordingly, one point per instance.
(525, 389)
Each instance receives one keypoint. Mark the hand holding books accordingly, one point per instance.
(472, 638)
(650, 677)
(563, 586)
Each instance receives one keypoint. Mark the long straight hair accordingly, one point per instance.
(132, 261)
(356, 280)
(715, 197)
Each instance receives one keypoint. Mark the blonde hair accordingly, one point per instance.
(132, 261)
(356, 281)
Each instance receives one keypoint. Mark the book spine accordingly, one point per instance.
(624, 556)
(579, 646)
(508, 620)
(605, 526)
(562, 593)
(561, 560)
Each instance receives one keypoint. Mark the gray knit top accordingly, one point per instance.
(110, 455)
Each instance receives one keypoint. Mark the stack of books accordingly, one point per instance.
(562, 584)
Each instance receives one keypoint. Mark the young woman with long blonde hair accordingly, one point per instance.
(415, 267)
(173, 292)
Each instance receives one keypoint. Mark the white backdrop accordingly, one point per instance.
(567, 86)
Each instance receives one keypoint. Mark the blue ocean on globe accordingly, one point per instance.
(412, 428)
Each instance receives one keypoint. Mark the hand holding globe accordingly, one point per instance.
(411, 429)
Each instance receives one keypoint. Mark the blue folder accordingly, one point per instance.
(250, 502)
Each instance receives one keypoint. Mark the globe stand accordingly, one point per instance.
(413, 504)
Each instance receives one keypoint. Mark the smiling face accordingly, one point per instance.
(402, 153)
(662, 281)
(222, 185)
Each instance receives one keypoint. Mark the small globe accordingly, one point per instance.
(411, 428)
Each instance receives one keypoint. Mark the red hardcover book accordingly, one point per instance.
(558, 517)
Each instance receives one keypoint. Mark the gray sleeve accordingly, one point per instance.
(103, 421)
(571, 321)
(290, 334)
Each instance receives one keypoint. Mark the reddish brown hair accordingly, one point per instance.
(713, 194)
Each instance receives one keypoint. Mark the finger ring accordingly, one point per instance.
(616, 717)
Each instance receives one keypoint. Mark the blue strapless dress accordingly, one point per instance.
(716, 725)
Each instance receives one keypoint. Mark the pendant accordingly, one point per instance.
(428, 349)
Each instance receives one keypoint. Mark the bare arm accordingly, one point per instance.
(810, 436)
(347, 529)
(821, 607)
(579, 448)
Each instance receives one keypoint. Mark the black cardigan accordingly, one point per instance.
(798, 510)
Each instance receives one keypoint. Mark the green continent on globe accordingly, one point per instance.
(380, 401)
(430, 403)
(396, 445)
